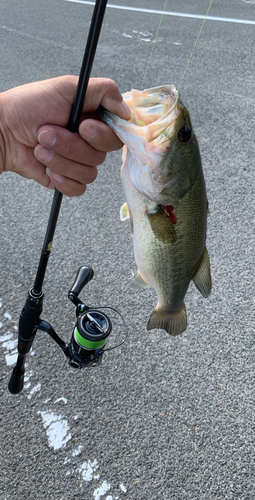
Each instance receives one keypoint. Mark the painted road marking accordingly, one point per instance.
(168, 13)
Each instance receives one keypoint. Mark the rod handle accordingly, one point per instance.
(16, 381)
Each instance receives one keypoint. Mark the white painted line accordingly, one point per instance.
(168, 13)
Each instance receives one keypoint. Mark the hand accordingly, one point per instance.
(35, 143)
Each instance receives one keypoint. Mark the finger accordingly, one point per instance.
(99, 136)
(63, 167)
(100, 91)
(48, 178)
(68, 187)
(104, 91)
(36, 171)
(71, 146)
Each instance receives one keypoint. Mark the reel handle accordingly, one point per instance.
(83, 277)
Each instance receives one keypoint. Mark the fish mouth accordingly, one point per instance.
(158, 111)
(156, 116)
(150, 105)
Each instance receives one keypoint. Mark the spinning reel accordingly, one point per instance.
(89, 335)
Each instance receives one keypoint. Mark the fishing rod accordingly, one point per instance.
(93, 327)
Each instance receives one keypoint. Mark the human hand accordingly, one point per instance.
(35, 143)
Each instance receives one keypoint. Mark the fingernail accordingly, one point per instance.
(88, 131)
(47, 138)
(126, 109)
(43, 154)
(54, 177)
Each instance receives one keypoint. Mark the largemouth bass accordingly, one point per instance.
(166, 200)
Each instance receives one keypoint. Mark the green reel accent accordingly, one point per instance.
(88, 344)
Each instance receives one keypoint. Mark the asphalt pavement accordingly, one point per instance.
(162, 418)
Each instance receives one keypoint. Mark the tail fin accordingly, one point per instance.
(172, 323)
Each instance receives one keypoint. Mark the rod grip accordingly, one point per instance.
(16, 381)
(28, 323)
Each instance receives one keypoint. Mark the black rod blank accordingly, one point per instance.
(93, 37)
(73, 126)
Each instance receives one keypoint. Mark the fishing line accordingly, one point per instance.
(195, 43)
(154, 43)
(99, 241)
(194, 46)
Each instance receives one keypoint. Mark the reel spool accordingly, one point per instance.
(88, 339)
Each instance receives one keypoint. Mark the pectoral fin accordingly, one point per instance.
(162, 227)
(208, 210)
(201, 275)
(124, 212)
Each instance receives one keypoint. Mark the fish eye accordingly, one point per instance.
(184, 134)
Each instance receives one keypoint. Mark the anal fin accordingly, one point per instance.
(202, 277)
(173, 323)
(138, 281)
